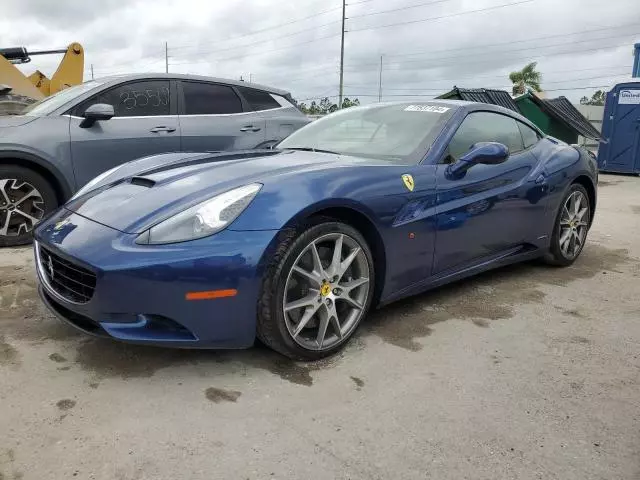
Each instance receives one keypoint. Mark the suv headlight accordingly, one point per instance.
(202, 220)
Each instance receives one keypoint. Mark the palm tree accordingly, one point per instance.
(527, 77)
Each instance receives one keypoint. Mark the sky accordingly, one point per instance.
(427, 46)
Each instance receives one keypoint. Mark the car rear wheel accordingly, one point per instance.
(317, 290)
(25, 197)
(572, 225)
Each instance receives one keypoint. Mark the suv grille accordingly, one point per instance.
(67, 279)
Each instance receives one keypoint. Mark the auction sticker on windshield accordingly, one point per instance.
(426, 108)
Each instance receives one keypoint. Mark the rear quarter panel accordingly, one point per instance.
(563, 164)
(282, 122)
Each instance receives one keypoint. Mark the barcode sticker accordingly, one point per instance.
(426, 108)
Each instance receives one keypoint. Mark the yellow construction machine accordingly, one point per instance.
(18, 90)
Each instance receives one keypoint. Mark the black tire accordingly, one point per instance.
(44, 188)
(555, 256)
(271, 328)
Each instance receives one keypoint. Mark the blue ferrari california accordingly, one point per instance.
(294, 245)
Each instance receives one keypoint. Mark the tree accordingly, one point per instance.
(346, 103)
(597, 98)
(313, 108)
(526, 78)
(325, 106)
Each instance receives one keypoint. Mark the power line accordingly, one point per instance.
(578, 88)
(585, 87)
(259, 41)
(504, 75)
(545, 37)
(528, 58)
(254, 32)
(502, 51)
(543, 83)
(441, 16)
(408, 7)
(358, 3)
(237, 57)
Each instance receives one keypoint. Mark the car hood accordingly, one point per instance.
(15, 120)
(150, 190)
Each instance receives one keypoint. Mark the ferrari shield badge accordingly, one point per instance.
(408, 181)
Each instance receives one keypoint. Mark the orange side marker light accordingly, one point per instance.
(211, 294)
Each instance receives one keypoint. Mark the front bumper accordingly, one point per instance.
(140, 293)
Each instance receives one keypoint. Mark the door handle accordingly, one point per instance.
(541, 179)
(162, 129)
(250, 128)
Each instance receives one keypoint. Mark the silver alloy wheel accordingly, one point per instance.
(21, 207)
(326, 292)
(574, 223)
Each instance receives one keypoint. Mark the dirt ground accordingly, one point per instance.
(523, 373)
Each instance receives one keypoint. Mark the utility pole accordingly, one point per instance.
(166, 57)
(92, 71)
(344, 10)
(380, 82)
(250, 77)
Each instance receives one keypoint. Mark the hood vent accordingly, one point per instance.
(143, 182)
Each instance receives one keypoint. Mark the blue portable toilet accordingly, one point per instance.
(620, 148)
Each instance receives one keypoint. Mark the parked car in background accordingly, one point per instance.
(60, 143)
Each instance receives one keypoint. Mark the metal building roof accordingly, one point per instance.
(561, 109)
(483, 95)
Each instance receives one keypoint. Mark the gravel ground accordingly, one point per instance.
(527, 372)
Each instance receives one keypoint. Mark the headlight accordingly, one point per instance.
(89, 186)
(203, 219)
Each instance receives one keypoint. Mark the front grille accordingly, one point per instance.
(72, 282)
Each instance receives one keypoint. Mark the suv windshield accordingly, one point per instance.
(49, 104)
(398, 132)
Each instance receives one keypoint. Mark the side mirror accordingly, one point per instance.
(98, 111)
(486, 153)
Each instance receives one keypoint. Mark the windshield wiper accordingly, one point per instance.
(309, 149)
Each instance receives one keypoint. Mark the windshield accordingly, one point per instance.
(396, 132)
(49, 104)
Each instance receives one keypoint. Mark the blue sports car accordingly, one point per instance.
(294, 245)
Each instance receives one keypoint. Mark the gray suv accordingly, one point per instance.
(60, 143)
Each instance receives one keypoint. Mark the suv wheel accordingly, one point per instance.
(25, 197)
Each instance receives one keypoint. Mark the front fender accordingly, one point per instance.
(31, 160)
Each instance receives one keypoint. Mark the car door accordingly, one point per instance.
(282, 118)
(145, 123)
(492, 208)
(212, 118)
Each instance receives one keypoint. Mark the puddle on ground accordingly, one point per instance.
(608, 183)
(490, 296)
(56, 357)
(635, 209)
(66, 404)
(24, 316)
(105, 358)
(218, 395)
(8, 353)
(572, 312)
(358, 381)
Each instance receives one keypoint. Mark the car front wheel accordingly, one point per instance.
(572, 225)
(25, 197)
(316, 292)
